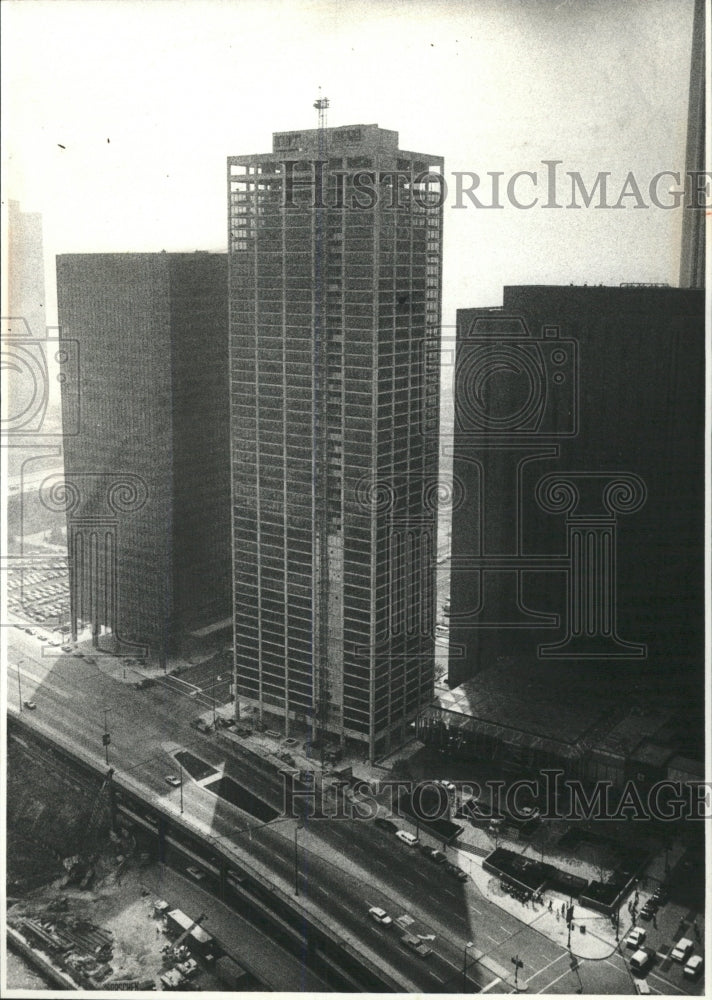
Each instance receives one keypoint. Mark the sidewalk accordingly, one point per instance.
(598, 939)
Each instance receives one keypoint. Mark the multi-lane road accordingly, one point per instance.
(343, 866)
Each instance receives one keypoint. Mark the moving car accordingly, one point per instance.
(171, 779)
(681, 950)
(196, 873)
(416, 945)
(408, 838)
(636, 938)
(694, 966)
(379, 915)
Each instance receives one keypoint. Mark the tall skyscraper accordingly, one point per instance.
(335, 249)
(147, 485)
(578, 552)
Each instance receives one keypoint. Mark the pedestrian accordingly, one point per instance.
(549, 906)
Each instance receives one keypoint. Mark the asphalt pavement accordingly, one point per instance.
(344, 865)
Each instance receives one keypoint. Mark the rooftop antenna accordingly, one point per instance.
(321, 104)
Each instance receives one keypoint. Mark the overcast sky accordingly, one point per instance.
(118, 117)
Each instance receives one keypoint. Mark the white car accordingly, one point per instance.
(408, 838)
(636, 938)
(171, 779)
(640, 960)
(681, 950)
(379, 915)
(694, 967)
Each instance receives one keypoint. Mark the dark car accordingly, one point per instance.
(385, 824)
(433, 854)
(456, 872)
(661, 895)
(648, 911)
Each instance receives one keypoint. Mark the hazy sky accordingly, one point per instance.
(118, 117)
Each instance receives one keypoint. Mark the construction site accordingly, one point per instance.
(86, 904)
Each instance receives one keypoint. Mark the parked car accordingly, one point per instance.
(416, 945)
(662, 895)
(433, 854)
(648, 911)
(640, 960)
(379, 915)
(408, 838)
(196, 873)
(681, 950)
(455, 871)
(636, 938)
(31, 705)
(172, 780)
(693, 967)
(385, 824)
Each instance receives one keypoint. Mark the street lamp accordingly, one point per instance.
(19, 681)
(518, 964)
(469, 944)
(106, 739)
(297, 827)
(180, 771)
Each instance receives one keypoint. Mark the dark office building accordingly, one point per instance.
(335, 270)
(147, 477)
(577, 553)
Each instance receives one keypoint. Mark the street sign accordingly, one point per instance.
(105, 740)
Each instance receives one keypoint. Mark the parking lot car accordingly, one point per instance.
(385, 824)
(416, 945)
(681, 950)
(31, 705)
(171, 779)
(455, 871)
(661, 895)
(640, 960)
(408, 838)
(636, 938)
(693, 967)
(379, 915)
(648, 911)
(196, 873)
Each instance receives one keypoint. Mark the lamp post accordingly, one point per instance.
(180, 771)
(518, 964)
(19, 681)
(469, 944)
(106, 739)
(296, 860)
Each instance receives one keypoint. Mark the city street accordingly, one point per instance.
(345, 866)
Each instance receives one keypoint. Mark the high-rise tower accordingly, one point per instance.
(146, 486)
(335, 250)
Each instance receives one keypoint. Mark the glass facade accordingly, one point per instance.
(335, 253)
